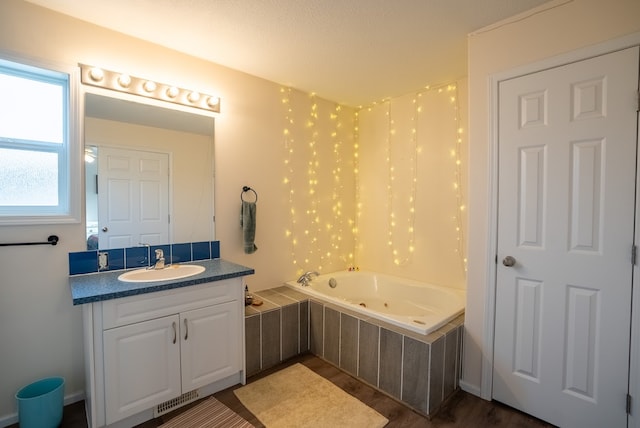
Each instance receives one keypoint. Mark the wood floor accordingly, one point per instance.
(461, 411)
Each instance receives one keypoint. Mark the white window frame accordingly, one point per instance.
(69, 205)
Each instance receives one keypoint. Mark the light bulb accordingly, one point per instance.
(172, 92)
(213, 101)
(96, 74)
(149, 86)
(124, 80)
(194, 97)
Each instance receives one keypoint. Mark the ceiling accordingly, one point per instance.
(350, 51)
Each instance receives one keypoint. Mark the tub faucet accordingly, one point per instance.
(305, 278)
(159, 259)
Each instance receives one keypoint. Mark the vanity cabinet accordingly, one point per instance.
(152, 348)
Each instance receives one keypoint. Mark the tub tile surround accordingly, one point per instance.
(83, 262)
(383, 355)
(276, 330)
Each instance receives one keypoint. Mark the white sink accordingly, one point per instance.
(171, 272)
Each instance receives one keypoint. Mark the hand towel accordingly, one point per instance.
(248, 223)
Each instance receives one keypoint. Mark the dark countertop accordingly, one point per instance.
(96, 287)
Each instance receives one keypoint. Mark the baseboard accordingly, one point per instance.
(12, 418)
(5, 421)
(73, 398)
(471, 389)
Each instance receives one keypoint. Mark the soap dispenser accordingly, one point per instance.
(248, 298)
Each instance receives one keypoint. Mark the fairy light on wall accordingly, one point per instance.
(356, 176)
(457, 185)
(288, 141)
(335, 229)
(313, 230)
(402, 211)
(314, 177)
(399, 260)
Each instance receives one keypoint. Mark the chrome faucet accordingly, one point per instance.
(159, 259)
(305, 278)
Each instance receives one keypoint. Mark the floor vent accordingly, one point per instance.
(174, 403)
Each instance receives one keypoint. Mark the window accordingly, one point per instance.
(36, 155)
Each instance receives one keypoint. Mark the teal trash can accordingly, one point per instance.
(40, 403)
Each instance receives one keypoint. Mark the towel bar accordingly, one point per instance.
(248, 189)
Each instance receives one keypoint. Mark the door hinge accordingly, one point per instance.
(638, 99)
(634, 254)
(628, 404)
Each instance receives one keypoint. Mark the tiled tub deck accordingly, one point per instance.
(421, 371)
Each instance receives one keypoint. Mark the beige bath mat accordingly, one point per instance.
(209, 414)
(297, 397)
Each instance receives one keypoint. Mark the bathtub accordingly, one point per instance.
(414, 305)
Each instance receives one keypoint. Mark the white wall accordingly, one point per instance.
(40, 330)
(423, 134)
(556, 28)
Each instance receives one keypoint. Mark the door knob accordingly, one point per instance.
(509, 261)
(105, 229)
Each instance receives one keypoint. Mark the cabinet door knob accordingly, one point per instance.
(175, 333)
(186, 329)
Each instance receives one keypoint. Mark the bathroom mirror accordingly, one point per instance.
(149, 174)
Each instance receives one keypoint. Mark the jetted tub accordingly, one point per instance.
(417, 306)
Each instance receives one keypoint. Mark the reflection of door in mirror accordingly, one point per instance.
(127, 193)
(133, 198)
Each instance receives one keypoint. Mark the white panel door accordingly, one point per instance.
(133, 198)
(567, 156)
(210, 344)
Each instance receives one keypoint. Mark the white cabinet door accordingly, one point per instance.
(210, 344)
(140, 366)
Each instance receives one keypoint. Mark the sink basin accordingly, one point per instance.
(171, 272)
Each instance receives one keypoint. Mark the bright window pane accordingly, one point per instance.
(28, 178)
(31, 109)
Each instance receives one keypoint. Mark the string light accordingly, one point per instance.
(457, 185)
(401, 255)
(335, 229)
(313, 231)
(288, 164)
(398, 260)
(318, 224)
(356, 173)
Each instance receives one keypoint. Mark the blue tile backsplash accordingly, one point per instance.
(135, 257)
(202, 250)
(83, 262)
(180, 253)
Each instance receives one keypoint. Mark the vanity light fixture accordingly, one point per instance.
(123, 82)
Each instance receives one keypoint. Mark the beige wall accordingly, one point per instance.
(40, 330)
(557, 28)
(422, 132)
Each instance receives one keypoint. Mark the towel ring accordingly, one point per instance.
(247, 189)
